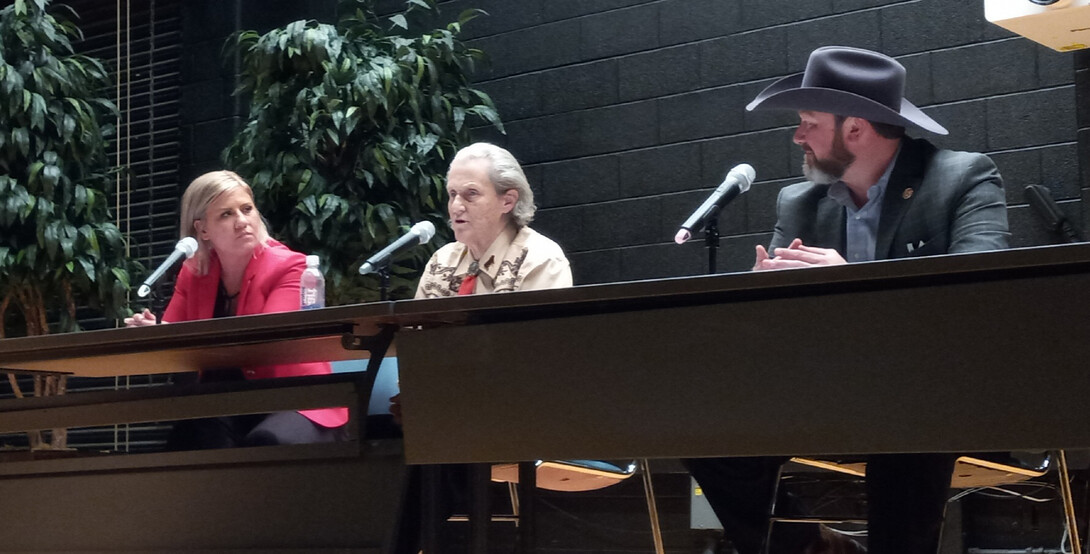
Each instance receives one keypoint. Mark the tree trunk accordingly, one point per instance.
(31, 303)
(34, 438)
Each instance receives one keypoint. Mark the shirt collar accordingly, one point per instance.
(490, 261)
(839, 191)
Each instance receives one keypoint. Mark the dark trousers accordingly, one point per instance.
(906, 499)
(250, 430)
(453, 481)
(245, 430)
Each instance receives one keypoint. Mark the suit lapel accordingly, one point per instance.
(904, 183)
(245, 291)
(830, 218)
(204, 297)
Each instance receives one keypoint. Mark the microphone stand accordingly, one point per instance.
(1070, 234)
(711, 239)
(1040, 199)
(155, 301)
(383, 282)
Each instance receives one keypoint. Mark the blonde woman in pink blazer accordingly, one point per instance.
(239, 270)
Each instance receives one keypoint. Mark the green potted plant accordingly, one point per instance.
(350, 131)
(58, 246)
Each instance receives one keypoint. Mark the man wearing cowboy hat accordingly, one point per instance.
(872, 193)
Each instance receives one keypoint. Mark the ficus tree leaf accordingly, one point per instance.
(56, 233)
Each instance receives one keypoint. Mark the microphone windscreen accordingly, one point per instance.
(187, 246)
(682, 236)
(749, 174)
(425, 230)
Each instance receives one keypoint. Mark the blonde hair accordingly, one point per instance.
(505, 173)
(198, 196)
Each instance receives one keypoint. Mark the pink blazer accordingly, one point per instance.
(270, 284)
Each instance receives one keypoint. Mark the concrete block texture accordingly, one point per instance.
(585, 85)
(682, 21)
(1040, 117)
(619, 32)
(658, 72)
(580, 181)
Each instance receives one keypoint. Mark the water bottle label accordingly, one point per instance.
(310, 299)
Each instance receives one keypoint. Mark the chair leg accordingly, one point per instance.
(772, 511)
(513, 493)
(1069, 503)
(480, 512)
(652, 508)
(527, 492)
(430, 514)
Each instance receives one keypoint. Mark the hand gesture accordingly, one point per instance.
(796, 255)
(141, 319)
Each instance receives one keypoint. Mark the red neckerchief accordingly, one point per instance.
(469, 283)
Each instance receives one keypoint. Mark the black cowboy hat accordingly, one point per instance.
(851, 82)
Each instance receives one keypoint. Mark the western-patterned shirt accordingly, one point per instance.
(519, 259)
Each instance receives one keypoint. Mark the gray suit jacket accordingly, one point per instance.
(936, 202)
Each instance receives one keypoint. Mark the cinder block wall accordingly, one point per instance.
(626, 113)
(1082, 95)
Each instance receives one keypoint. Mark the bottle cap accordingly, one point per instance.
(312, 260)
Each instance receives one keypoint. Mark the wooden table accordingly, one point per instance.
(975, 352)
(338, 497)
(955, 353)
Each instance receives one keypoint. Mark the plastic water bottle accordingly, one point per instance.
(312, 286)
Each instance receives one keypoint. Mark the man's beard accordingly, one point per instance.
(826, 171)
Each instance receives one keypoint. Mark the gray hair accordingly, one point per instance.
(198, 196)
(505, 173)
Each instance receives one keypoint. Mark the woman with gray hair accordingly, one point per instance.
(490, 205)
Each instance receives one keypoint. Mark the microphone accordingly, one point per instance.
(420, 233)
(1046, 208)
(185, 247)
(736, 182)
